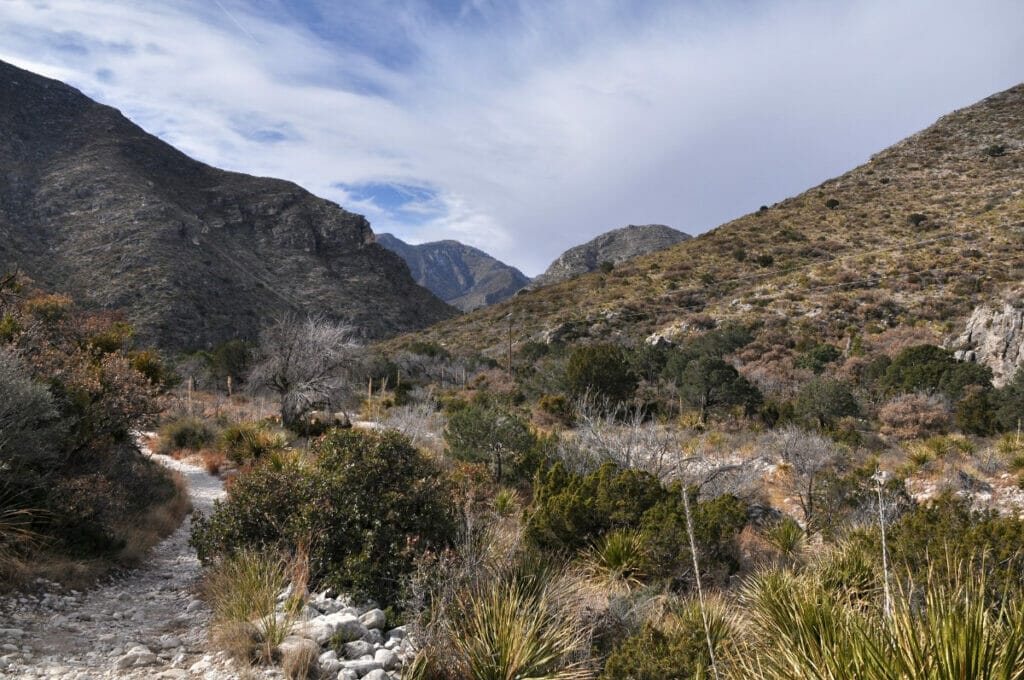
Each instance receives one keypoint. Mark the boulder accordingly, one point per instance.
(375, 618)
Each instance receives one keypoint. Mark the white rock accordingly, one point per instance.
(375, 618)
(388, 659)
(363, 666)
(357, 648)
(377, 674)
(347, 674)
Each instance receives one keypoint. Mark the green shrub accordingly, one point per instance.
(675, 648)
(190, 434)
(573, 512)
(822, 401)
(497, 437)
(602, 371)
(367, 504)
(818, 357)
(931, 369)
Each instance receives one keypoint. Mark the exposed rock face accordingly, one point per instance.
(994, 336)
(92, 205)
(458, 274)
(612, 246)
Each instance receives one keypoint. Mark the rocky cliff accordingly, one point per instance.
(93, 205)
(613, 246)
(994, 336)
(460, 275)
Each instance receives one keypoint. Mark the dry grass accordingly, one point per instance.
(158, 523)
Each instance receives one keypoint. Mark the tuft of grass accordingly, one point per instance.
(190, 434)
(242, 590)
(505, 502)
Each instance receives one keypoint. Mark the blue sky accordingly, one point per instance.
(524, 127)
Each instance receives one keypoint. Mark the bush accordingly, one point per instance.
(816, 358)
(572, 512)
(496, 436)
(602, 371)
(190, 434)
(367, 505)
(913, 416)
(823, 401)
(932, 370)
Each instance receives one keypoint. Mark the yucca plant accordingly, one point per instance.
(617, 560)
(245, 442)
(789, 538)
(505, 502)
(512, 630)
(946, 631)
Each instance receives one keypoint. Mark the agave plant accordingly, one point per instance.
(789, 538)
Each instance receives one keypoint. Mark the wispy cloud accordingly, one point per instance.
(527, 127)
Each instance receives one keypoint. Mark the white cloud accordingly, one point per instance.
(538, 126)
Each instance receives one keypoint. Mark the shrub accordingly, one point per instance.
(602, 371)
(149, 364)
(674, 648)
(617, 560)
(822, 401)
(572, 512)
(189, 433)
(709, 383)
(931, 369)
(832, 204)
(367, 505)
(995, 150)
(816, 358)
(913, 416)
(916, 219)
(496, 436)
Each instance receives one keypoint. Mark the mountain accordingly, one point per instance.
(92, 205)
(458, 274)
(917, 238)
(615, 246)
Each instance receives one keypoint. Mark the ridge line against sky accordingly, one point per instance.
(524, 128)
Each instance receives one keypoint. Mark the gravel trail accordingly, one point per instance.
(142, 623)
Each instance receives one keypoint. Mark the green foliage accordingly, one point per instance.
(367, 506)
(231, 358)
(931, 369)
(601, 371)
(187, 433)
(975, 413)
(607, 267)
(818, 357)
(709, 383)
(995, 150)
(1008, 404)
(656, 654)
(764, 260)
(832, 204)
(916, 219)
(428, 349)
(149, 364)
(494, 435)
(945, 534)
(822, 401)
(572, 512)
(617, 560)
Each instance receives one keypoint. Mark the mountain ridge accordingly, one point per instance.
(93, 205)
(461, 275)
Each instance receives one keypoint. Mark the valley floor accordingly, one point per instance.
(144, 623)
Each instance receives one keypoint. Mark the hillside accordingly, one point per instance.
(461, 275)
(919, 235)
(615, 246)
(91, 204)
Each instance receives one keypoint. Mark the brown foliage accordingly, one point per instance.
(912, 416)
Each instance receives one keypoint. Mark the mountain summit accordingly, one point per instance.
(458, 274)
(91, 204)
(615, 246)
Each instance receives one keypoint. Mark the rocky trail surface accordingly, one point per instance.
(143, 623)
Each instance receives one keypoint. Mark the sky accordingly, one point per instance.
(524, 127)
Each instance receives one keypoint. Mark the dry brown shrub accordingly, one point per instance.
(892, 341)
(914, 416)
(213, 460)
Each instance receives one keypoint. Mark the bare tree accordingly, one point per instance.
(306, 362)
(810, 457)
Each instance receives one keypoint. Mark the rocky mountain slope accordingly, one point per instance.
(460, 275)
(920, 235)
(92, 204)
(615, 246)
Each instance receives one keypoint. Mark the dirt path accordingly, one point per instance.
(144, 623)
